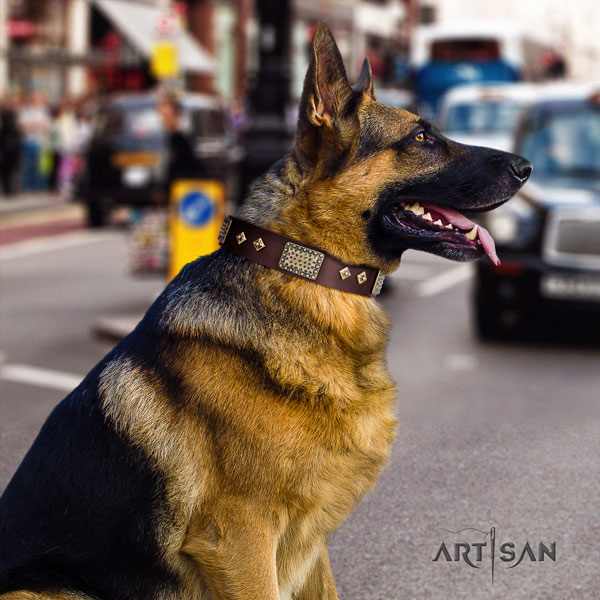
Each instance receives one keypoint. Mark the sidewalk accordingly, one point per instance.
(30, 216)
(30, 201)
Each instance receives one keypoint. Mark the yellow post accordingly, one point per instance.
(164, 62)
(197, 209)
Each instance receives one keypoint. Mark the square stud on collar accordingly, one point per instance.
(241, 238)
(258, 244)
(344, 273)
(361, 277)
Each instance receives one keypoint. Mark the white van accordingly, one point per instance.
(485, 115)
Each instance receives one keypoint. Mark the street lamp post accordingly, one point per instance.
(268, 138)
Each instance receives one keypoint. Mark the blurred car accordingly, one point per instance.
(126, 158)
(399, 98)
(485, 115)
(548, 236)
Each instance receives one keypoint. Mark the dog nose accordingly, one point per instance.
(520, 168)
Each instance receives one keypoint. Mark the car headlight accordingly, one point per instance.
(512, 224)
(137, 176)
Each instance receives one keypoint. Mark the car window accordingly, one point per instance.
(471, 50)
(477, 117)
(564, 143)
(108, 122)
(207, 122)
(135, 121)
(143, 123)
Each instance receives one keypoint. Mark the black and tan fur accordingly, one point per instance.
(214, 450)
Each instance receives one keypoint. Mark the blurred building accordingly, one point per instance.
(73, 47)
(379, 29)
(36, 47)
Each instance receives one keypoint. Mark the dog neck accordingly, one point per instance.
(354, 321)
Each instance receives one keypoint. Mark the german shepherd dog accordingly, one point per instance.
(212, 452)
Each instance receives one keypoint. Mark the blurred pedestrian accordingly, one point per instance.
(84, 119)
(10, 148)
(554, 64)
(237, 118)
(181, 159)
(73, 164)
(66, 125)
(34, 121)
(53, 145)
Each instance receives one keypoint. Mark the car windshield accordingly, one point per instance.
(144, 122)
(471, 50)
(140, 122)
(476, 117)
(564, 143)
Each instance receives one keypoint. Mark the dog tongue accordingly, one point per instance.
(460, 221)
(487, 241)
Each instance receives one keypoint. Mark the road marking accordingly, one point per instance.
(45, 378)
(51, 243)
(442, 282)
(412, 272)
(460, 362)
(422, 258)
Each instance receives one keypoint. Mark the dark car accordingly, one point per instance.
(548, 236)
(125, 163)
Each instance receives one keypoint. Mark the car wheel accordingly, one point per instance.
(494, 321)
(486, 323)
(97, 211)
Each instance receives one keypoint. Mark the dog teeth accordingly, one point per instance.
(415, 208)
(449, 226)
(472, 235)
(438, 223)
(428, 217)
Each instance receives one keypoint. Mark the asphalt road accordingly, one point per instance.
(491, 435)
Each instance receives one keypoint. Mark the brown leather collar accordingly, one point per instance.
(295, 258)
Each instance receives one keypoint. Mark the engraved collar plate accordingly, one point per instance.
(300, 260)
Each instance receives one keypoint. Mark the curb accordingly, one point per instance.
(31, 202)
(116, 327)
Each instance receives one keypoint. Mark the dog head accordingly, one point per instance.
(377, 180)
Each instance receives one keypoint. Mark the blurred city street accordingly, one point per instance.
(130, 128)
(503, 435)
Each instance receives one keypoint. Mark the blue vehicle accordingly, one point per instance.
(445, 56)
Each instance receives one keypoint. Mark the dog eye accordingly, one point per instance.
(420, 137)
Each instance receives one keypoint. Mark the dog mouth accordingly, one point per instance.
(441, 225)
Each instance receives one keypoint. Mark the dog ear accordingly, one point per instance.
(364, 83)
(326, 96)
